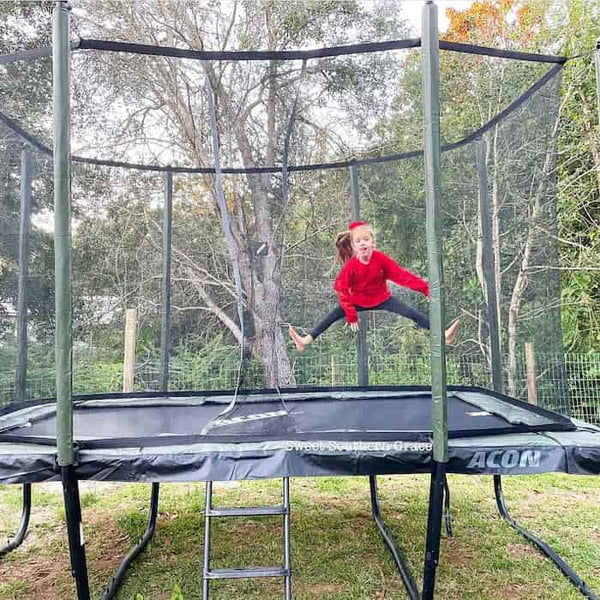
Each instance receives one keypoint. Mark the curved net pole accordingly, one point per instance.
(285, 189)
(62, 285)
(24, 233)
(431, 134)
(165, 329)
(362, 344)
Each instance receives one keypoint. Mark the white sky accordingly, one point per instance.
(412, 11)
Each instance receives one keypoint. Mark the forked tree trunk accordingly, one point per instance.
(523, 275)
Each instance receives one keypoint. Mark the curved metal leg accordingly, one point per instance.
(409, 583)
(541, 545)
(119, 576)
(447, 513)
(25, 515)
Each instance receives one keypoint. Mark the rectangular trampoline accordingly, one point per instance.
(203, 436)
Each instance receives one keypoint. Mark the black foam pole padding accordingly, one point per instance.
(497, 52)
(248, 55)
(254, 55)
(75, 532)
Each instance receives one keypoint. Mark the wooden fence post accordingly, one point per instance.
(336, 376)
(129, 348)
(530, 364)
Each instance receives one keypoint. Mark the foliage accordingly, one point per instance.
(576, 27)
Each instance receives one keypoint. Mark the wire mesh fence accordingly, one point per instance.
(577, 374)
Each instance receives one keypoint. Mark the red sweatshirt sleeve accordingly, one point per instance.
(342, 288)
(403, 277)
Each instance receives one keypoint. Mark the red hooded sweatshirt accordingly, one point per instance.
(366, 285)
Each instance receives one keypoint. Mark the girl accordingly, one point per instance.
(362, 285)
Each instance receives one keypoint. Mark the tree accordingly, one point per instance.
(576, 27)
(518, 179)
(167, 117)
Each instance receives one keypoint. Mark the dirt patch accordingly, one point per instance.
(48, 574)
(47, 577)
(518, 592)
(321, 590)
(518, 550)
(248, 527)
(455, 554)
(570, 496)
(381, 595)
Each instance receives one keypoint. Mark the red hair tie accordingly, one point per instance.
(356, 224)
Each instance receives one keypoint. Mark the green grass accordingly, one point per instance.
(336, 549)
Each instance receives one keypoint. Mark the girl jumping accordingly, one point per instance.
(362, 285)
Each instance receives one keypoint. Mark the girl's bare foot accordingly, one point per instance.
(299, 341)
(451, 332)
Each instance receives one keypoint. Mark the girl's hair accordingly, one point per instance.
(343, 243)
(343, 247)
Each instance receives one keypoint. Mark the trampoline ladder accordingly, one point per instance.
(249, 572)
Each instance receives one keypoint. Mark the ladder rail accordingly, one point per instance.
(285, 571)
(207, 518)
(286, 539)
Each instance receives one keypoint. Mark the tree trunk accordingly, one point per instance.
(522, 277)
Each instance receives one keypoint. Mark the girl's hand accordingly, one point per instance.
(353, 326)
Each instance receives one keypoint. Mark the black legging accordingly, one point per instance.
(391, 305)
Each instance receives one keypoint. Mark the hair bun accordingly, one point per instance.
(356, 224)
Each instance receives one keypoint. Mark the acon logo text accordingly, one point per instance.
(505, 459)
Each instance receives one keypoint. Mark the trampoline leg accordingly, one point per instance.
(447, 513)
(119, 576)
(409, 582)
(75, 532)
(434, 528)
(25, 514)
(541, 545)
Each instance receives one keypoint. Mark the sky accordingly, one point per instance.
(412, 11)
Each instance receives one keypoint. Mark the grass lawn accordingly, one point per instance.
(336, 549)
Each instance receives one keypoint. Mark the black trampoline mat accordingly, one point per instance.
(312, 416)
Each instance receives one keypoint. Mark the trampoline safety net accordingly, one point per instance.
(304, 146)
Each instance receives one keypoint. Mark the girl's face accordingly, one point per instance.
(363, 243)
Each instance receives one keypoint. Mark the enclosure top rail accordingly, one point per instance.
(262, 55)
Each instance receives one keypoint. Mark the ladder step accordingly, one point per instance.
(248, 572)
(249, 511)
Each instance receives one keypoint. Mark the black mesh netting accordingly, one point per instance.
(153, 111)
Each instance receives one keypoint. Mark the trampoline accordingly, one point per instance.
(312, 432)
(365, 431)
(282, 432)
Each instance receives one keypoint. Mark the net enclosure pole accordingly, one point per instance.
(431, 134)
(24, 231)
(432, 157)
(62, 234)
(362, 349)
(165, 331)
(62, 290)
(489, 269)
